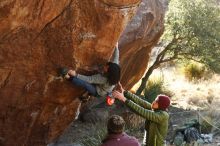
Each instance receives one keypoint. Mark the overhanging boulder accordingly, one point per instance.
(37, 37)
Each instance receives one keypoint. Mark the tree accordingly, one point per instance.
(192, 32)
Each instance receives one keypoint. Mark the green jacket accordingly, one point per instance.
(156, 123)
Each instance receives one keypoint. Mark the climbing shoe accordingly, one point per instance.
(63, 71)
(84, 98)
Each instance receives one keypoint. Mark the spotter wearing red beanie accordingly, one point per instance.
(163, 101)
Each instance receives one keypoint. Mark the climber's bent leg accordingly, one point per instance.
(87, 86)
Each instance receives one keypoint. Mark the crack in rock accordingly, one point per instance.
(4, 77)
(121, 6)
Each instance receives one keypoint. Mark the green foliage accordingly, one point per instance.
(153, 88)
(194, 71)
(192, 31)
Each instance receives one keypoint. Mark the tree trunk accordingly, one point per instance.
(145, 79)
(159, 59)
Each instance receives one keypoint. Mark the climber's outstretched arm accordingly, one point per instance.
(115, 58)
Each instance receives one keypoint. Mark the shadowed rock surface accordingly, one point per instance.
(37, 37)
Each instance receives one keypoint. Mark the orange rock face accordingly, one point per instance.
(39, 36)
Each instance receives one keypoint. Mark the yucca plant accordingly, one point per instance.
(194, 71)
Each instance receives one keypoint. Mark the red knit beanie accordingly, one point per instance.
(163, 101)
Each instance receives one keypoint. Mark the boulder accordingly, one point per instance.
(95, 115)
(37, 37)
(140, 36)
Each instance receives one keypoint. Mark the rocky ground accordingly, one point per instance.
(79, 129)
(190, 101)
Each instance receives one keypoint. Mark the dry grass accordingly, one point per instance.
(201, 95)
(212, 113)
(188, 94)
(192, 94)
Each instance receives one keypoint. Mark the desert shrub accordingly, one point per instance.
(214, 114)
(134, 124)
(154, 87)
(210, 99)
(95, 139)
(194, 71)
(132, 120)
(196, 101)
(206, 126)
(193, 100)
(101, 132)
